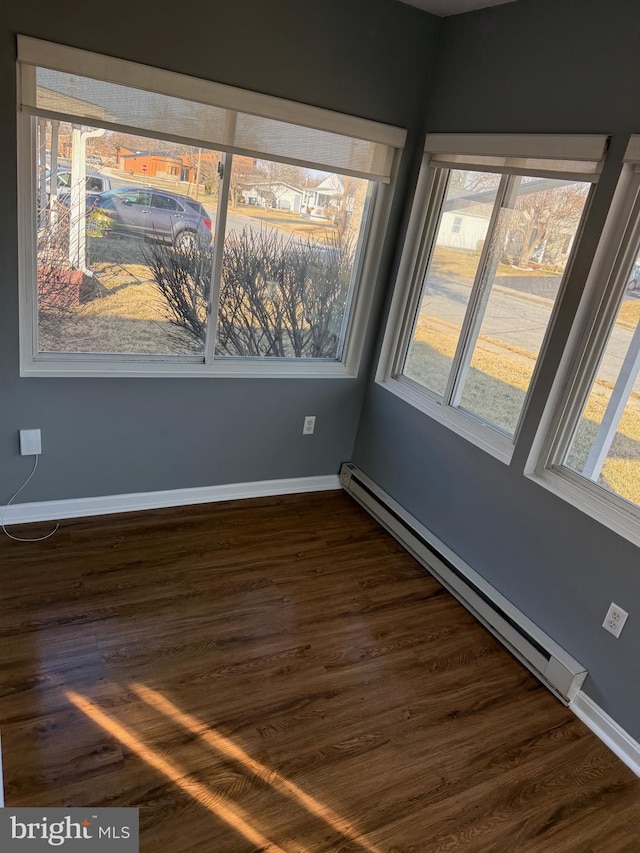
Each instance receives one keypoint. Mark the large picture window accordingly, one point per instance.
(491, 237)
(174, 225)
(588, 450)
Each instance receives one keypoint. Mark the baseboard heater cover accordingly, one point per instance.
(551, 664)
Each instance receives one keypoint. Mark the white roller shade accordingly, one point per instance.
(76, 85)
(574, 157)
(632, 154)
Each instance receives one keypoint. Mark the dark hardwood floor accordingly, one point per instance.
(278, 674)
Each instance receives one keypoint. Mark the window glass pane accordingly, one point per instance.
(606, 445)
(291, 249)
(529, 250)
(166, 202)
(462, 229)
(117, 274)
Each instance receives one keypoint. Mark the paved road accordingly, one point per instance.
(237, 221)
(545, 286)
(515, 318)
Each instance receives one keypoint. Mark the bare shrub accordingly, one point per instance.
(59, 285)
(183, 278)
(54, 295)
(279, 296)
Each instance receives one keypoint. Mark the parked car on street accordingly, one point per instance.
(153, 214)
(95, 183)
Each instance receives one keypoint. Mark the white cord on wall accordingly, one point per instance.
(11, 499)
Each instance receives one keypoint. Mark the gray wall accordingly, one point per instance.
(535, 65)
(565, 66)
(106, 436)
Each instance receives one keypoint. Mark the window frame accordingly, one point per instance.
(418, 247)
(597, 312)
(33, 52)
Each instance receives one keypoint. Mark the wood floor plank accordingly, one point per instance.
(278, 674)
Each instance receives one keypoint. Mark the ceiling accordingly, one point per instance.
(453, 7)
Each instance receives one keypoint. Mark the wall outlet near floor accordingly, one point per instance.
(30, 442)
(309, 425)
(615, 619)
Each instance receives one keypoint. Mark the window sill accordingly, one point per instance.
(228, 368)
(484, 437)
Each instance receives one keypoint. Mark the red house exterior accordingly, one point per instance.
(154, 165)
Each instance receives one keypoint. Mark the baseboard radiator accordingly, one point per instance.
(553, 666)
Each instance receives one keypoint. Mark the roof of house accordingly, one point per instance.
(60, 102)
(331, 183)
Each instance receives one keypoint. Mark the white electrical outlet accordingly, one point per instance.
(30, 442)
(309, 425)
(615, 619)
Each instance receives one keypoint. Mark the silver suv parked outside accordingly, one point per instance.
(95, 184)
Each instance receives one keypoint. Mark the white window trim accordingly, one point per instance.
(33, 363)
(409, 280)
(587, 340)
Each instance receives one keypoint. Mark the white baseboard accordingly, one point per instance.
(610, 733)
(78, 507)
